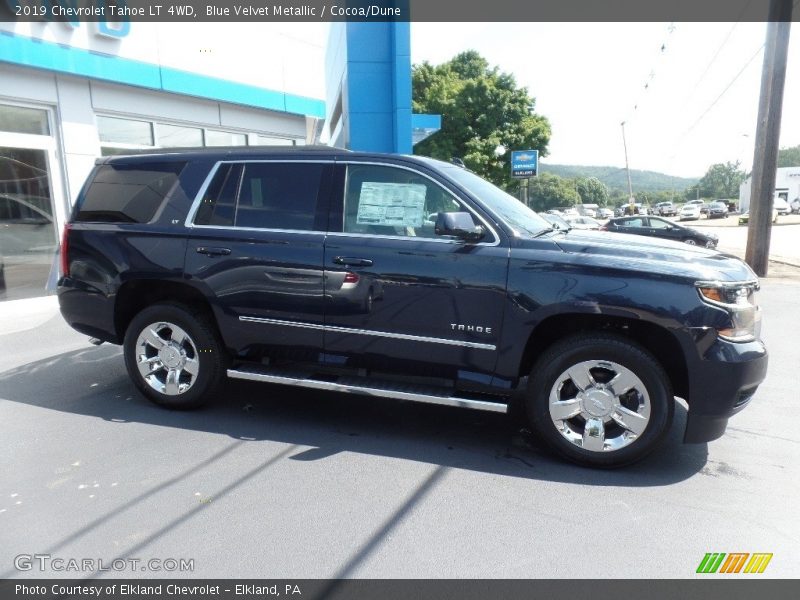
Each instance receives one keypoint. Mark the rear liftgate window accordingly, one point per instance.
(128, 193)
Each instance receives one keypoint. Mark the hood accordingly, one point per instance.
(658, 256)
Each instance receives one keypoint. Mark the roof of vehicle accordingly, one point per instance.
(253, 152)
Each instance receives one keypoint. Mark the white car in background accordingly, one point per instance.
(782, 206)
(582, 222)
(689, 212)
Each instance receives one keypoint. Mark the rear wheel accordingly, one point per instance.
(599, 400)
(690, 241)
(173, 356)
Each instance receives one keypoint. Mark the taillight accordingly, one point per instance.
(65, 250)
(350, 280)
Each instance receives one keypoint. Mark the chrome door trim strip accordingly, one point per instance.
(370, 391)
(386, 334)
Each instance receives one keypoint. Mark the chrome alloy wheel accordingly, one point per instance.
(599, 405)
(167, 358)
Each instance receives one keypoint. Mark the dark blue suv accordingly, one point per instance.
(408, 278)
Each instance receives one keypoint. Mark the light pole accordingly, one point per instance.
(631, 200)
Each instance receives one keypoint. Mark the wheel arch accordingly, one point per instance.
(657, 340)
(135, 295)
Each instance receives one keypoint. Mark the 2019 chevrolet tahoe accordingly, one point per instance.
(408, 278)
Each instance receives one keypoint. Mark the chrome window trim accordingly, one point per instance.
(188, 222)
(190, 216)
(386, 334)
(458, 199)
(403, 237)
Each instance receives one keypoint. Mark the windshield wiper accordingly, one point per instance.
(543, 231)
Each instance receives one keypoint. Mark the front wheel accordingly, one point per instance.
(173, 356)
(599, 400)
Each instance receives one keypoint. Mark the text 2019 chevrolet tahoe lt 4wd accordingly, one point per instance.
(408, 278)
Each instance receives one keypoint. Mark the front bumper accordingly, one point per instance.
(722, 383)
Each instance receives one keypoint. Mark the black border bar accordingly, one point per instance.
(396, 10)
(706, 588)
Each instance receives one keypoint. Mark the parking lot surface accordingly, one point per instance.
(278, 482)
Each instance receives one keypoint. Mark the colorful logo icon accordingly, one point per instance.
(736, 562)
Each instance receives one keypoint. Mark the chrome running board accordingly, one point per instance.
(367, 387)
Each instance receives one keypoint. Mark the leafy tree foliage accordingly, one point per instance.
(592, 191)
(551, 191)
(722, 180)
(789, 157)
(482, 108)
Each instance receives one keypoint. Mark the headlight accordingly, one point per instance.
(739, 300)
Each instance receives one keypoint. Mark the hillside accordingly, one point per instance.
(616, 179)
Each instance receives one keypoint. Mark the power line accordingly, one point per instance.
(724, 91)
(651, 75)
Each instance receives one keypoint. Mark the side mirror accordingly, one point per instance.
(460, 225)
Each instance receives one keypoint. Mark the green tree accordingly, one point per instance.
(482, 108)
(722, 180)
(551, 191)
(592, 191)
(789, 157)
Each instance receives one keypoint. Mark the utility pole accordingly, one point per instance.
(765, 158)
(627, 168)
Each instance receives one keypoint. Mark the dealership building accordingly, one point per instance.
(75, 91)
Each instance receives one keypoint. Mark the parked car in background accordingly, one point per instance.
(665, 209)
(689, 212)
(571, 212)
(583, 223)
(661, 228)
(717, 210)
(606, 213)
(744, 218)
(782, 206)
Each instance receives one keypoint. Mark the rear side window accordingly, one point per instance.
(128, 193)
(263, 196)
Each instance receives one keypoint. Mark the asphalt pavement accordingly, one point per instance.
(276, 482)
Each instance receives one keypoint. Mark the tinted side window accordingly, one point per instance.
(635, 222)
(390, 201)
(279, 195)
(128, 193)
(218, 206)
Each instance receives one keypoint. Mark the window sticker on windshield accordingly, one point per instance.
(393, 204)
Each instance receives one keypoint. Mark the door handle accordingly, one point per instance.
(211, 251)
(352, 262)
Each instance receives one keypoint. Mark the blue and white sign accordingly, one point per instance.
(524, 163)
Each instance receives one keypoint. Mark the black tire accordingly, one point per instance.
(690, 241)
(204, 339)
(601, 347)
(366, 306)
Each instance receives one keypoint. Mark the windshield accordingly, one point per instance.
(557, 221)
(511, 211)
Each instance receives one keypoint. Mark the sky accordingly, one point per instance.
(699, 107)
